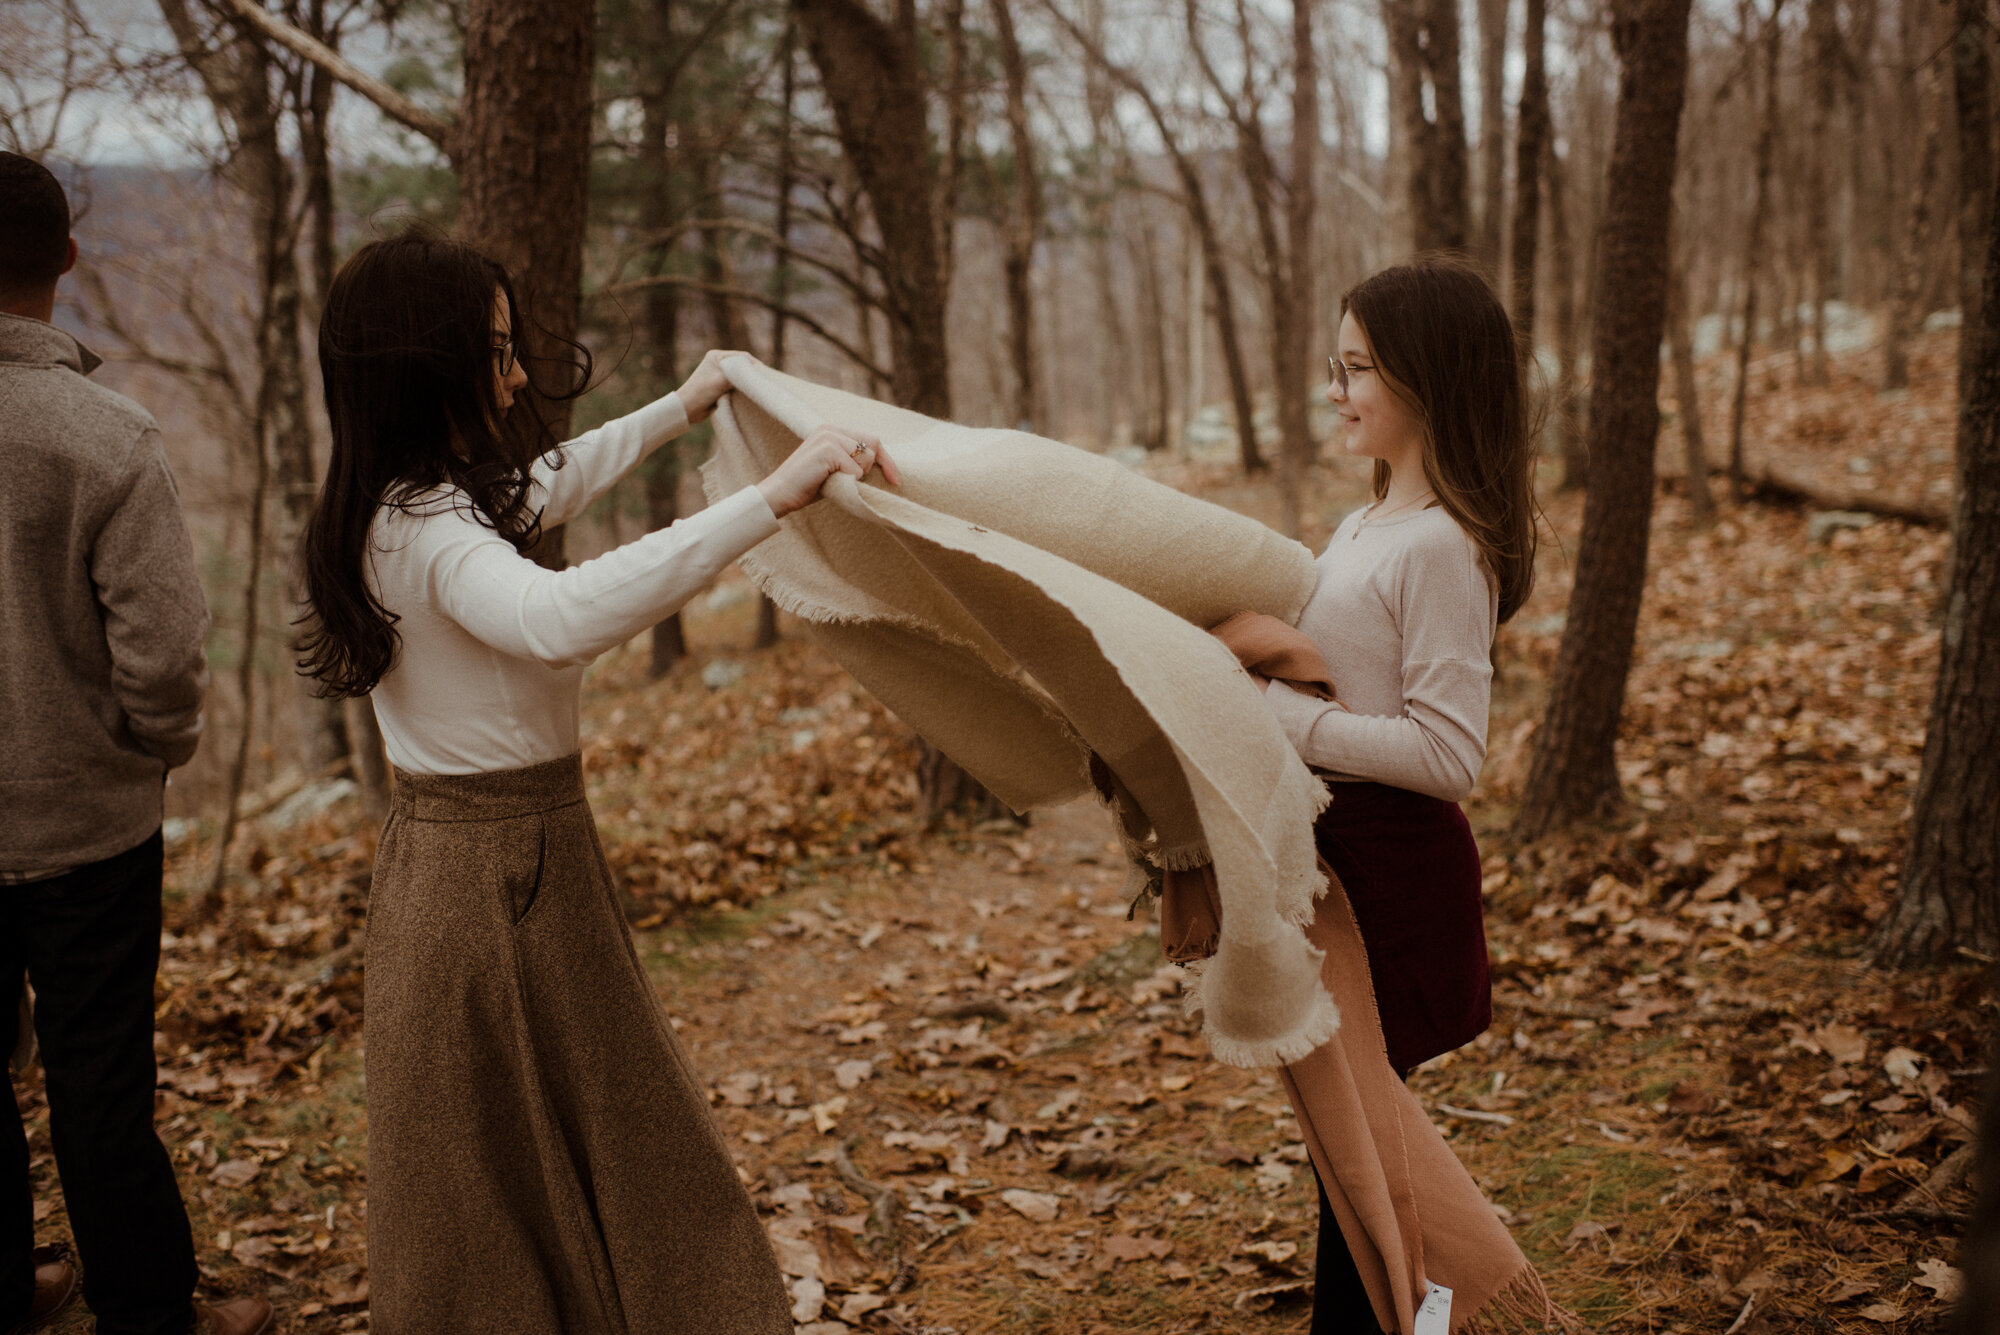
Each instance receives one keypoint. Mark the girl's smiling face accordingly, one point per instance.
(1380, 423)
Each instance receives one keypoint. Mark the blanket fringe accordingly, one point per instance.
(1181, 857)
(1317, 1030)
(788, 601)
(1524, 1306)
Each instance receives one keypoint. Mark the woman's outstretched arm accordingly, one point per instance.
(595, 460)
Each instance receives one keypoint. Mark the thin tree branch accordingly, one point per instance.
(747, 227)
(391, 103)
(840, 344)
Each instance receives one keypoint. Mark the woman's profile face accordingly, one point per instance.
(508, 374)
(1380, 424)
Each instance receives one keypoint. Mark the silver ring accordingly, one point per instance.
(860, 448)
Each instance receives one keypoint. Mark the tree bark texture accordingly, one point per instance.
(1950, 891)
(1492, 132)
(521, 149)
(1972, 92)
(871, 75)
(1574, 773)
(1424, 54)
(1531, 132)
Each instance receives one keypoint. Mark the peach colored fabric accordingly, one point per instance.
(1409, 1212)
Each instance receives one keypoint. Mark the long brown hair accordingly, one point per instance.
(1443, 344)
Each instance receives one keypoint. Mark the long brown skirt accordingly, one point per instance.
(541, 1156)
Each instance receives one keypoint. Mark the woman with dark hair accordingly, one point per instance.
(1428, 384)
(541, 1156)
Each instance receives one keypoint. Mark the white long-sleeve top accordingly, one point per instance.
(1404, 612)
(489, 673)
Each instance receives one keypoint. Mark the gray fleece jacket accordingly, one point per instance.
(101, 614)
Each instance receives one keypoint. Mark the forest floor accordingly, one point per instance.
(958, 1081)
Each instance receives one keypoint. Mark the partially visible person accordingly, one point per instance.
(101, 681)
(1428, 384)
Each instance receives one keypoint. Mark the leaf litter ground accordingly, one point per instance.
(957, 1079)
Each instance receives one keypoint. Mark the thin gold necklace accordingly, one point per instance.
(1366, 516)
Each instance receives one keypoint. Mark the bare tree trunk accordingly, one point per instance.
(237, 75)
(726, 322)
(246, 667)
(352, 720)
(1530, 135)
(870, 73)
(1153, 338)
(1424, 56)
(1906, 289)
(522, 154)
(781, 269)
(1950, 891)
(1824, 58)
(660, 305)
(371, 762)
(1283, 296)
(1114, 402)
(1570, 445)
(1492, 132)
(1574, 773)
(1767, 130)
(1972, 79)
(767, 610)
(1951, 878)
(1101, 189)
(668, 645)
(1024, 221)
(1295, 379)
(1680, 338)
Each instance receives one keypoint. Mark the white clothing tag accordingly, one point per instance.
(1434, 1317)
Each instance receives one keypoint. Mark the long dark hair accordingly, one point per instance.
(1442, 343)
(406, 357)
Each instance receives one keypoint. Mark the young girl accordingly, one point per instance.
(541, 1155)
(1428, 385)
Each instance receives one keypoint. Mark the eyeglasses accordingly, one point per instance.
(1338, 371)
(504, 352)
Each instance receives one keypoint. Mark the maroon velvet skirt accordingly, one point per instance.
(1411, 870)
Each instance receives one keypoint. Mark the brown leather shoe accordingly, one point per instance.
(55, 1287)
(237, 1316)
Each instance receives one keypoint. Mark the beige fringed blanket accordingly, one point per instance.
(1038, 613)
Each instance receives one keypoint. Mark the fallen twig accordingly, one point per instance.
(1474, 1115)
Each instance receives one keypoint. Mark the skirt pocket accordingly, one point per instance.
(526, 862)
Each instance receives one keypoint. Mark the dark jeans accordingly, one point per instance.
(90, 942)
